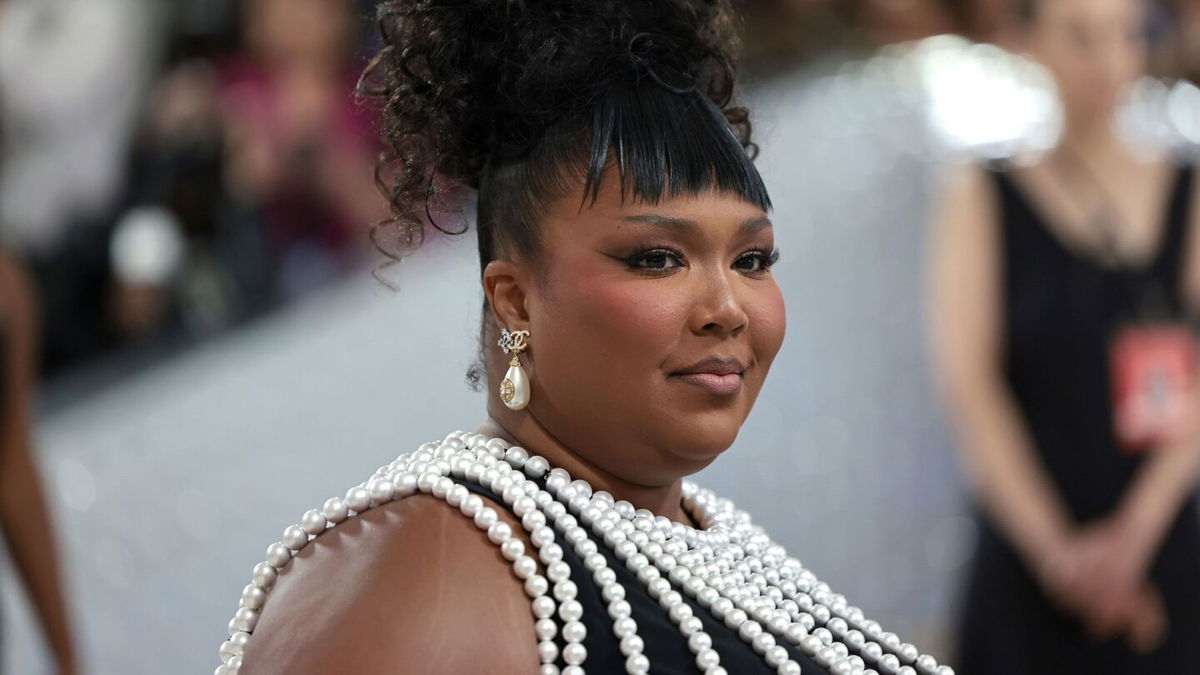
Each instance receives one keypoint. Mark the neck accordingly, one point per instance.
(521, 428)
(1092, 141)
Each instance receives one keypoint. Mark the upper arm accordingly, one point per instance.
(964, 281)
(409, 586)
(18, 335)
(1190, 291)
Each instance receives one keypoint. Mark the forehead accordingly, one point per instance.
(1055, 11)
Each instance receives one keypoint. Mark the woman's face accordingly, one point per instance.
(299, 30)
(1093, 48)
(652, 328)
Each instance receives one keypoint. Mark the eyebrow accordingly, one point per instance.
(748, 226)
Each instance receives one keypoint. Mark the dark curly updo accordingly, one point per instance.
(526, 101)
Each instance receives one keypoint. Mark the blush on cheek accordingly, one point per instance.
(768, 320)
(634, 318)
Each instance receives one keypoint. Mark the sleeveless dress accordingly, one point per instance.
(1060, 309)
(665, 647)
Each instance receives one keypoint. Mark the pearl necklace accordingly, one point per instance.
(729, 566)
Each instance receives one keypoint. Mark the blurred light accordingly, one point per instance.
(984, 100)
(1183, 109)
(147, 246)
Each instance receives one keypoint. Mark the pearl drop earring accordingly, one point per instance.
(514, 388)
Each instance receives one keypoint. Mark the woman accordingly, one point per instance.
(25, 520)
(630, 318)
(1053, 282)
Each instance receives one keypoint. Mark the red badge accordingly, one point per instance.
(1154, 373)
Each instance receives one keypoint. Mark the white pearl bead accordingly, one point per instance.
(512, 549)
(565, 590)
(699, 641)
(264, 575)
(707, 658)
(632, 644)
(679, 611)
(486, 517)
(404, 486)
(550, 553)
(380, 490)
(334, 509)
(294, 537)
(624, 627)
(545, 629)
(547, 651)
(253, 596)
(574, 653)
(637, 664)
(776, 656)
(570, 610)
(245, 619)
(543, 607)
(690, 625)
(278, 555)
(536, 466)
(456, 494)
(313, 522)
(617, 607)
(789, 668)
(471, 505)
(499, 532)
(574, 631)
(536, 585)
(237, 642)
(516, 456)
(763, 642)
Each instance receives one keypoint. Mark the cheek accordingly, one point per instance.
(768, 321)
(618, 323)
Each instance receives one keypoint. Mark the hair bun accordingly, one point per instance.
(466, 82)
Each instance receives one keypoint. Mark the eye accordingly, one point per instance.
(658, 260)
(757, 261)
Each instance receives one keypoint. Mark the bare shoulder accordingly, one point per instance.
(410, 586)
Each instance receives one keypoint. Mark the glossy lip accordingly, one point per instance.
(720, 375)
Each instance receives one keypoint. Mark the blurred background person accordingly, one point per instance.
(298, 147)
(1060, 289)
(72, 77)
(27, 526)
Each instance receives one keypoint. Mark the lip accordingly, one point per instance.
(720, 375)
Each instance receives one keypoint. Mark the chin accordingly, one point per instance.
(700, 438)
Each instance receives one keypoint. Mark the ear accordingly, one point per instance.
(504, 285)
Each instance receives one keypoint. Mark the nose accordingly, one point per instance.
(718, 307)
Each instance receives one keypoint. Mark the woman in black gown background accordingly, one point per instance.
(1088, 552)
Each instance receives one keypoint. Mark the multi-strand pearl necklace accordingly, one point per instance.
(729, 566)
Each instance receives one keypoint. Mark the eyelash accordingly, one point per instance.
(766, 259)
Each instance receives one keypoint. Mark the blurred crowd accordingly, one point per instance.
(172, 169)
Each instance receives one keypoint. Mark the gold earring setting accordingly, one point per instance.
(514, 388)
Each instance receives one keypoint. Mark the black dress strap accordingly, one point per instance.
(1168, 265)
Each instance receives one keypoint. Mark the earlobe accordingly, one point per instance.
(504, 287)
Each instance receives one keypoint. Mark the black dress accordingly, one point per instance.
(1060, 309)
(665, 646)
